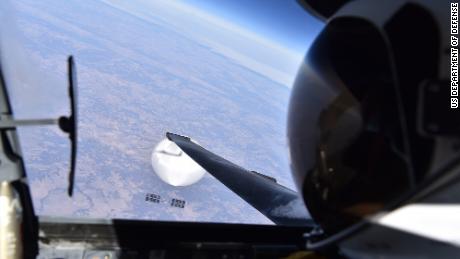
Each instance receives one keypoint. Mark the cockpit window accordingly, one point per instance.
(220, 73)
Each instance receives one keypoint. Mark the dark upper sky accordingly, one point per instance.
(283, 21)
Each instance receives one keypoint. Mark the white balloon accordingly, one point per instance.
(174, 166)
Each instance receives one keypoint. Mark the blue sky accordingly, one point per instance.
(282, 21)
(270, 41)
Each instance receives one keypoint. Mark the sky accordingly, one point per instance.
(270, 41)
(282, 21)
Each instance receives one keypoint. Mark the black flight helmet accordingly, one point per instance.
(370, 116)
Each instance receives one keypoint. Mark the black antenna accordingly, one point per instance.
(69, 124)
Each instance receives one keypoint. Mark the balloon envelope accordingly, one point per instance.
(174, 166)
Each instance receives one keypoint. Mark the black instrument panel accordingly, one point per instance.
(93, 238)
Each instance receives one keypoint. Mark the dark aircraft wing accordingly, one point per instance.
(281, 205)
